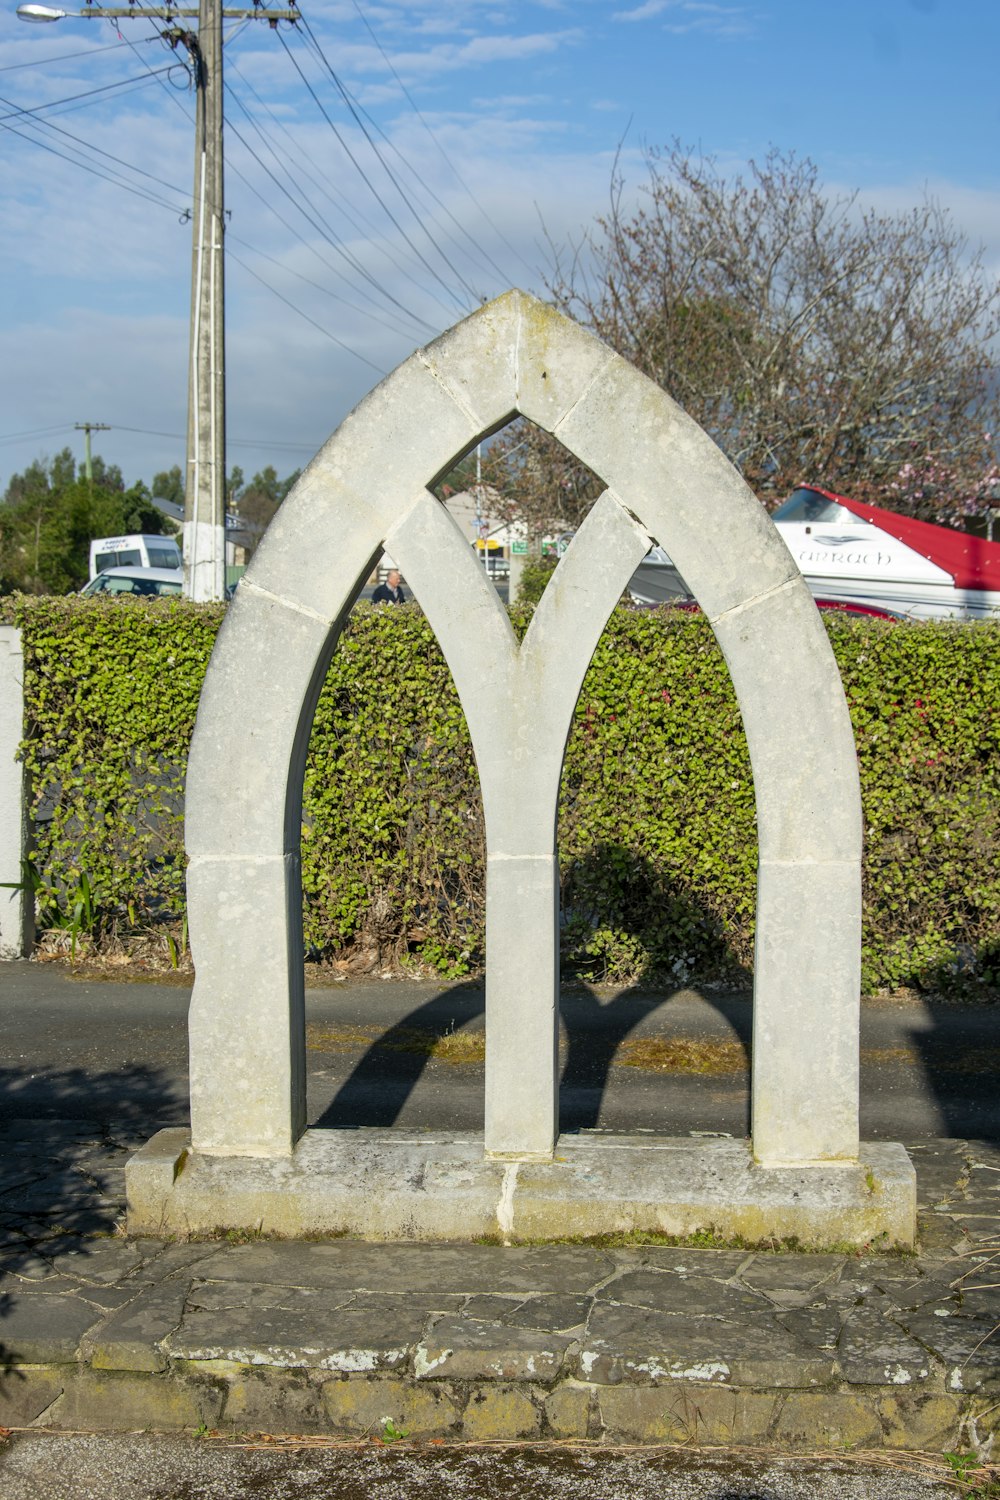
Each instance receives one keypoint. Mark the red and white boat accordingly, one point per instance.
(860, 557)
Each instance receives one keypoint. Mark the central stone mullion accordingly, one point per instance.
(522, 1005)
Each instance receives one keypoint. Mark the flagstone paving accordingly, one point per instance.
(615, 1343)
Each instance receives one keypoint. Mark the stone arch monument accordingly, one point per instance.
(248, 1160)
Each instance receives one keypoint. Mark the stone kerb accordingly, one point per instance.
(369, 486)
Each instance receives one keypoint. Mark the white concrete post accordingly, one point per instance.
(16, 906)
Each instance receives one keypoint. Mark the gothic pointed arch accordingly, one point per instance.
(367, 488)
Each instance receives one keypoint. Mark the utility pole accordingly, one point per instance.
(87, 428)
(205, 471)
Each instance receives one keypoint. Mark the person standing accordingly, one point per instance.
(390, 592)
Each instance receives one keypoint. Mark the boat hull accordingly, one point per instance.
(656, 581)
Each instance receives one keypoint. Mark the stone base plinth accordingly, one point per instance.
(407, 1185)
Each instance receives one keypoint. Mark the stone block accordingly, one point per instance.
(397, 441)
(518, 701)
(345, 530)
(369, 483)
(247, 1020)
(779, 1276)
(921, 1421)
(109, 1401)
(150, 1176)
(440, 1186)
(828, 1419)
(16, 907)
(568, 1409)
(455, 1349)
(548, 674)
(249, 729)
(552, 1314)
(439, 1271)
(501, 1414)
(968, 1347)
(273, 1401)
(132, 1337)
(692, 1295)
(727, 1417)
(39, 1329)
(470, 623)
(798, 731)
(807, 984)
(522, 1006)
(358, 1406)
(557, 364)
(476, 361)
(816, 1327)
(295, 1328)
(652, 1414)
(27, 1391)
(874, 1350)
(647, 1346)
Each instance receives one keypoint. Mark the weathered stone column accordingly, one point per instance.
(16, 908)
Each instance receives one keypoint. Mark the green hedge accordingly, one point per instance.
(657, 833)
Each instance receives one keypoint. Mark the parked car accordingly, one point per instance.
(146, 583)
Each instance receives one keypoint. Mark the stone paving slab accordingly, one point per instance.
(612, 1342)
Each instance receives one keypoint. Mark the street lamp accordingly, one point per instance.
(205, 479)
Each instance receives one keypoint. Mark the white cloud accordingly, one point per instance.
(693, 15)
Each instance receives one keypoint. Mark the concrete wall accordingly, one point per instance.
(15, 908)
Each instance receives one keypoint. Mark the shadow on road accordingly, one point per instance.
(380, 1084)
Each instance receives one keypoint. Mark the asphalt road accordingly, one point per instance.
(75, 1048)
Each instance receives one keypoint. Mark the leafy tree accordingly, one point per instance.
(169, 485)
(139, 514)
(258, 500)
(234, 484)
(267, 485)
(50, 514)
(813, 339)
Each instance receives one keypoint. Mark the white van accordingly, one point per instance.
(133, 552)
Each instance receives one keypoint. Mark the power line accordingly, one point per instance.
(367, 181)
(303, 170)
(16, 437)
(171, 93)
(88, 146)
(76, 161)
(105, 88)
(385, 165)
(180, 437)
(437, 144)
(318, 326)
(365, 312)
(321, 229)
(426, 187)
(64, 57)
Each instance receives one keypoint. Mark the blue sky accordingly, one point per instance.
(499, 122)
